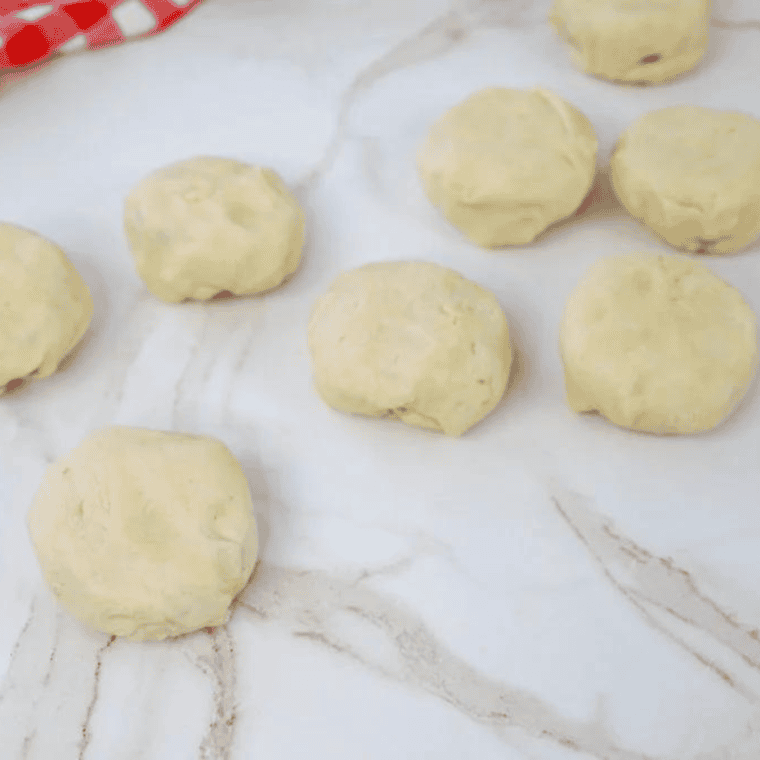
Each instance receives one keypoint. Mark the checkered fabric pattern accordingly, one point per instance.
(32, 31)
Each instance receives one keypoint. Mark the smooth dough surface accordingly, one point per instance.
(145, 534)
(634, 40)
(207, 225)
(505, 164)
(657, 343)
(45, 306)
(413, 341)
(692, 174)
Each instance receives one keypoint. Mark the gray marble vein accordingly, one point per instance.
(435, 39)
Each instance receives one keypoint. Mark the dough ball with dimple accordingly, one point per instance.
(692, 174)
(657, 343)
(412, 341)
(45, 306)
(505, 164)
(145, 534)
(208, 225)
(634, 40)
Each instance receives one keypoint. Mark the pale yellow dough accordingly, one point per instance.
(413, 341)
(145, 534)
(657, 343)
(45, 306)
(207, 225)
(634, 40)
(505, 164)
(692, 174)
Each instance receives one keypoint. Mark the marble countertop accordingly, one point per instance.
(547, 587)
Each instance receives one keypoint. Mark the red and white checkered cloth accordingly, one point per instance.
(31, 31)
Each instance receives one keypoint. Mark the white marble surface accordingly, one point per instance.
(547, 587)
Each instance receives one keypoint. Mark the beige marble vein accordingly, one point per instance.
(8, 686)
(54, 672)
(669, 598)
(309, 603)
(219, 666)
(86, 736)
(748, 25)
(21, 666)
(653, 583)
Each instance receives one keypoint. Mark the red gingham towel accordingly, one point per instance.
(31, 30)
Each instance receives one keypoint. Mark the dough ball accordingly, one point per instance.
(657, 343)
(633, 40)
(45, 306)
(412, 341)
(505, 164)
(693, 175)
(207, 225)
(145, 534)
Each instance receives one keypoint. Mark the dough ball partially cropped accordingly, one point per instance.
(634, 40)
(413, 341)
(145, 534)
(45, 306)
(505, 164)
(692, 174)
(657, 343)
(207, 225)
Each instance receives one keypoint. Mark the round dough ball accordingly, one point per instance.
(505, 164)
(413, 341)
(657, 343)
(145, 534)
(45, 306)
(693, 175)
(207, 225)
(634, 40)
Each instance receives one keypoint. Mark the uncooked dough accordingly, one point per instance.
(207, 225)
(45, 306)
(145, 534)
(505, 164)
(657, 343)
(634, 40)
(413, 341)
(693, 175)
